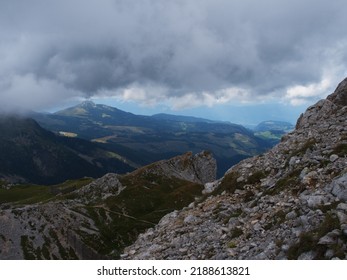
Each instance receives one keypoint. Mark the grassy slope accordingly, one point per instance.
(31, 194)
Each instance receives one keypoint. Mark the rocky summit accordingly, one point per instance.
(289, 203)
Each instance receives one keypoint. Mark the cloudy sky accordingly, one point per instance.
(211, 58)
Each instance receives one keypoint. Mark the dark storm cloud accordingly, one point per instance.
(207, 50)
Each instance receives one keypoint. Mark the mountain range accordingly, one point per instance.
(92, 140)
(146, 139)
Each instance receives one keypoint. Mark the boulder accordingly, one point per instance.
(339, 187)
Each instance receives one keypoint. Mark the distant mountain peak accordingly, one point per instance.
(84, 109)
(274, 125)
(87, 104)
(87, 107)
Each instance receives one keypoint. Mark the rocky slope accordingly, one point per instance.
(289, 203)
(88, 219)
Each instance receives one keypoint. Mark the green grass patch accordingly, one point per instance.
(309, 144)
(230, 183)
(30, 194)
(66, 189)
(277, 219)
(151, 193)
(340, 150)
(290, 181)
(27, 247)
(327, 207)
(236, 232)
(232, 245)
(257, 176)
(25, 194)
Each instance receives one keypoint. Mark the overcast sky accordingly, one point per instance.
(177, 54)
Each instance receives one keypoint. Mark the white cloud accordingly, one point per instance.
(210, 99)
(302, 94)
(146, 95)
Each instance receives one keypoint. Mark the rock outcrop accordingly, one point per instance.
(290, 203)
(199, 168)
(339, 97)
(100, 189)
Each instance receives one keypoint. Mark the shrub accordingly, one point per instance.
(230, 184)
(236, 232)
(340, 149)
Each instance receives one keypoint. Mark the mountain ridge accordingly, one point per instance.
(272, 131)
(29, 153)
(146, 139)
(181, 118)
(274, 125)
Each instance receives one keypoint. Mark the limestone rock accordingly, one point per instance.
(199, 168)
(333, 157)
(339, 97)
(327, 240)
(101, 188)
(210, 187)
(307, 256)
(339, 187)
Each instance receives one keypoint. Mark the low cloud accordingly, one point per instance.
(186, 52)
(298, 95)
(210, 99)
(26, 92)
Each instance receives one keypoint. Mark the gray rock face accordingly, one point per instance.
(205, 167)
(199, 168)
(102, 188)
(339, 188)
(316, 113)
(33, 229)
(289, 203)
(339, 97)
